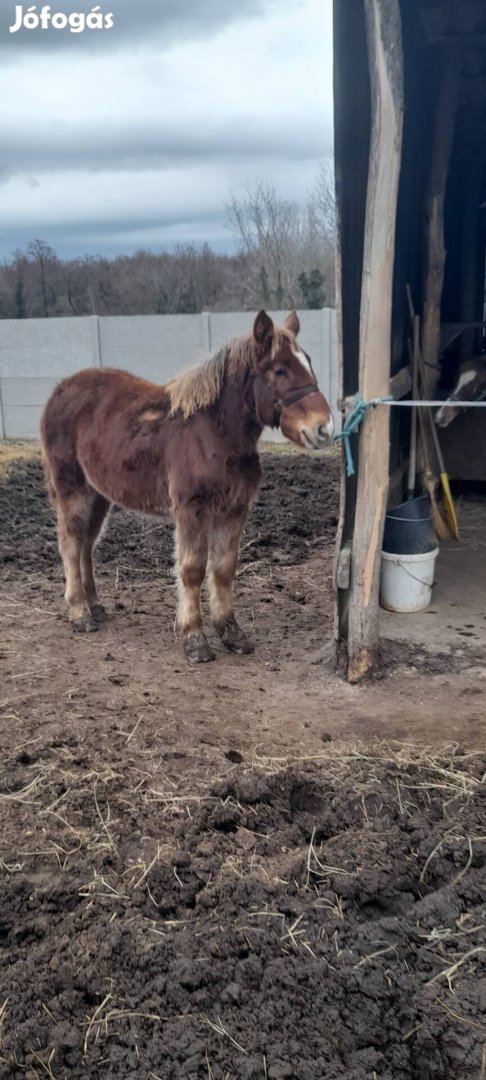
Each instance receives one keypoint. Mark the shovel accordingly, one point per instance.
(443, 529)
(450, 510)
(440, 526)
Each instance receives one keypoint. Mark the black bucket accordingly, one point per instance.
(409, 529)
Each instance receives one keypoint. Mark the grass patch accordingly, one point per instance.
(12, 451)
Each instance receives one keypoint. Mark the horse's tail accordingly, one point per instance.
(51, 490)
(47, 429)
(58, 441)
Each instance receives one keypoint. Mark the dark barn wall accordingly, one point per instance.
(464, 446)
(464, 236)
(463, 296)
(464, 442)
(352, 134)
(432, 31)
(419, 93)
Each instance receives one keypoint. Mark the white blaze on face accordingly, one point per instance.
(445, 414)
(466, 378)
(301, 357)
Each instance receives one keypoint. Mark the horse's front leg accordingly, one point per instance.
(223, 558)
(191, 557)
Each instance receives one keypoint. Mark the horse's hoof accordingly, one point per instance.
(84, 626)
(197, 649)
(241, 648)
(235, 639)
(98, 613)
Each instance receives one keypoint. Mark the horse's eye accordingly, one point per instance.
(280, 371)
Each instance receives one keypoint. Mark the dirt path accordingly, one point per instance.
(250, 869)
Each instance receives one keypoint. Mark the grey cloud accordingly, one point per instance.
(134, 149)
(169, 20)
(178, 147)
(115, 236)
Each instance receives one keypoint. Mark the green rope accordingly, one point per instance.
(353, 422)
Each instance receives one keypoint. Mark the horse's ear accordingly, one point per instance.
(262, 328)
(292, 323)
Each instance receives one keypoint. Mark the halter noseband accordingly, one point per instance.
(297, 395)
(291, 399)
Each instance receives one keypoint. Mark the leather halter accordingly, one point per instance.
(291, 399)
(297, 395)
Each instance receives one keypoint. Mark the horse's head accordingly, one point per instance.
(285, 387)
(470, 386)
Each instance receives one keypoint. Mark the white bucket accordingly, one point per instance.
(406, 581)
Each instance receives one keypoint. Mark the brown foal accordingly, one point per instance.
(186, 450)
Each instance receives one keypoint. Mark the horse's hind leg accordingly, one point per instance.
(99, 510)
(73, 515)
(223, 558)
(191, 557)
(73, 500)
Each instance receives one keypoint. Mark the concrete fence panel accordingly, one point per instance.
(36, 353)
(156, 347)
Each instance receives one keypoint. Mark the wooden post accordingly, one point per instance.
(338, 271)
(339, 581)
(386, 77)
(352, 111)
(435, 253)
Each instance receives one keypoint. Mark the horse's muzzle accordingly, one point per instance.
(316, 436)
(445, 416)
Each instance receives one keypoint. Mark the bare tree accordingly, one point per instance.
(322, 203)
(321, 233)
(46, 261)
(269, 230)
(285, 259)
(291, 249)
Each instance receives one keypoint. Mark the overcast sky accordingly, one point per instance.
(135, 137)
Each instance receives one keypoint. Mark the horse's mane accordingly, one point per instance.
(200, 387)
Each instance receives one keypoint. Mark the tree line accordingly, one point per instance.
(284, 258)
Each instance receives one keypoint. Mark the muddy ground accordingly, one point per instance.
(249, 870)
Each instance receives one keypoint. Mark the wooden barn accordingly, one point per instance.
(410, 162)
